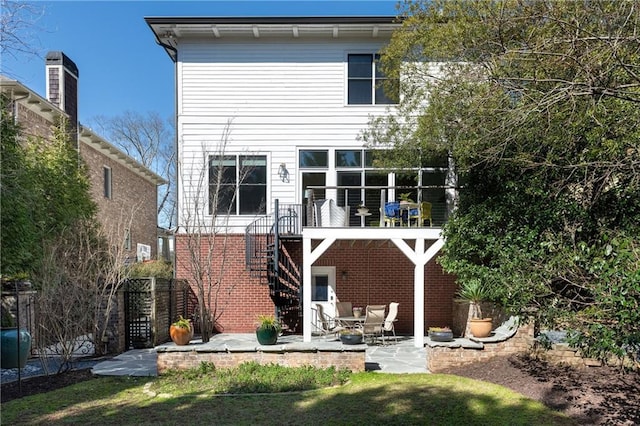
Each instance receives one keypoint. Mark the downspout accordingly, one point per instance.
(174, 58)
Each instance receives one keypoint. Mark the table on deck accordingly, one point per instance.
(351, 322)
(405, 210)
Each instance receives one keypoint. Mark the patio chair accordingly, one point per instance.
(328, 326)
(343, 309)
(373, 321)
(392, 213)
(425, 213)
(388, 321)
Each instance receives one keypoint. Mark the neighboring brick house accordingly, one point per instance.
(288, 97)
(120, 186)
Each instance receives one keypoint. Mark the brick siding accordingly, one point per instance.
(377, 273)
(133, 202)
(353, 360)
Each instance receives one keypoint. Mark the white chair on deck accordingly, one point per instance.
(373, 321)
(328, 326)
(389, 320)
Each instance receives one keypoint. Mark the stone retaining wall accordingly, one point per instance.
(563, 354)
(353, 360)
(441, 357)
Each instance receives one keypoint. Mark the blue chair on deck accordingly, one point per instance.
(392, 213)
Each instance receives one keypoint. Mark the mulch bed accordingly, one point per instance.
(592, 396)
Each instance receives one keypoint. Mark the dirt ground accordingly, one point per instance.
(593, 396)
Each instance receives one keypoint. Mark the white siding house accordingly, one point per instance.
(289, 97)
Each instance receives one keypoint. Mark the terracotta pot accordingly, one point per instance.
(181, 336)
(480, 327)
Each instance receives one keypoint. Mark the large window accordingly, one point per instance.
(365, 81)
(237, 184)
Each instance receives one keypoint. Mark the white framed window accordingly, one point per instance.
(238, 184)
(107, 182)
(364, 81)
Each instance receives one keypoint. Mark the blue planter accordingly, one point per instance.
(441, 336)
(14, 354)
(351, 339)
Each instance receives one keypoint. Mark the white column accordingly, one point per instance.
(418, 295)
(306, 291)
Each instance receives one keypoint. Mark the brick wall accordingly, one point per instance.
(441, 357)
(133, 203)
(237, 299)
(182, 360)
(377, 273)
(34, 125)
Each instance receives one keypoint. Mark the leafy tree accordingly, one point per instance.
(537, 105)
(44, 190)
(18, 233)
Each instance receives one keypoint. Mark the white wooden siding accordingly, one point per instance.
(278, 96)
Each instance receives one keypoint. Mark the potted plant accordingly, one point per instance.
(357, 311)
(440, 334)
(181, 331)
(475, 292)
(405, 198)
(267, 330)
(362, 209)
(351, 336)
(15, 343)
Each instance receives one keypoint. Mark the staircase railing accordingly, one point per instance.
(268, 259)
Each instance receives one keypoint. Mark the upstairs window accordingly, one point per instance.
(237, 184)
(107, 182)
(365, 81)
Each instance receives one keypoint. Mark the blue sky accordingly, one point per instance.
(121, 67)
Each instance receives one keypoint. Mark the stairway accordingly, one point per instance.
(268, 259)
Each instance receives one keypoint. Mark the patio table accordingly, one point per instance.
(351, 322)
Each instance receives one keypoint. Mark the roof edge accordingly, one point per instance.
(272, 20)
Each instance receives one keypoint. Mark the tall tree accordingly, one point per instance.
(537, 102)
(150, 140)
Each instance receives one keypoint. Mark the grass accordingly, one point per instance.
(251, 394)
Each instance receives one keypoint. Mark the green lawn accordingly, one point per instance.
(365, 399)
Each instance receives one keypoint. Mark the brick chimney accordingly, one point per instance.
(62, 86)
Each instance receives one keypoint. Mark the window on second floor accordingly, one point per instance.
(107, 182)
(365, 79)
(237, 184)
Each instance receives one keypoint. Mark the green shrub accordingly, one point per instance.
(251, 377)
(153, 268)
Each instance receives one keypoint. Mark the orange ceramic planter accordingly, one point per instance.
(480, 327)
(181, 336)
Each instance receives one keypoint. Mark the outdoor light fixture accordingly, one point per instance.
(283, 172)
(344, 275)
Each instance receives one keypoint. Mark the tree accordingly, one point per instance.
(208, 198)
(537, 104)
(17, 18)
(148, 139)
(44, 190)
